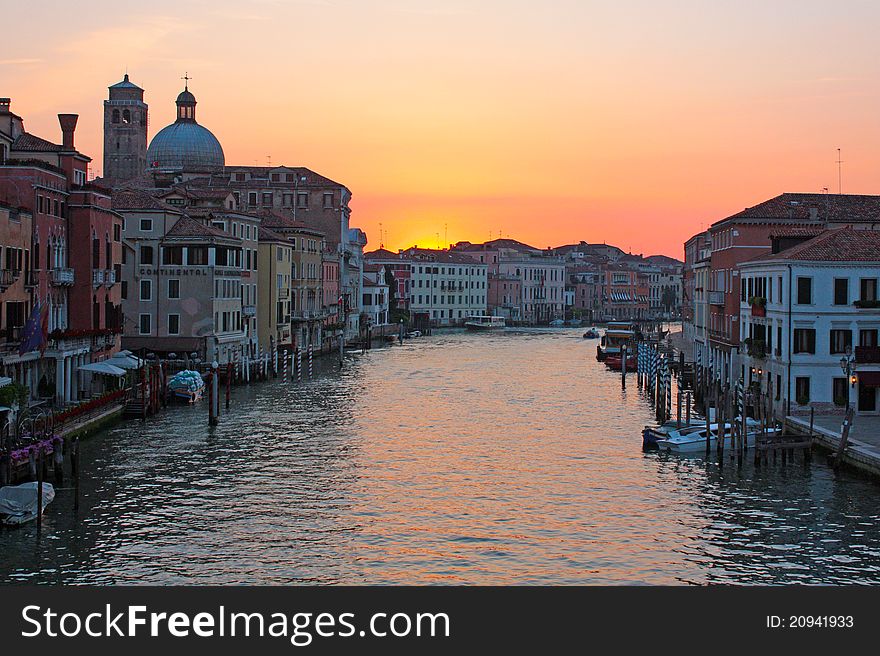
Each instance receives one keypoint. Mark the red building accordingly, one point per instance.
(48, 180)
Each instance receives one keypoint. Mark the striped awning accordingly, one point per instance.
(621, 297)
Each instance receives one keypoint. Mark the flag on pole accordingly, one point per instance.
(34, 333)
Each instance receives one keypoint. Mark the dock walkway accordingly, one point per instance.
(863, 447)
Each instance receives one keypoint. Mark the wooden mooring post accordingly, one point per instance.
(39, 488)
(844, 437)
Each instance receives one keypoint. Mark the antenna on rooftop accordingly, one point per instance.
(445, 233)
(839, 173)
(381, 243)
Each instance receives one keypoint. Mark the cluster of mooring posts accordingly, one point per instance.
(33, 452)
(732, 406)
(290, 364)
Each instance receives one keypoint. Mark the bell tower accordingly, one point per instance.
(125, 132)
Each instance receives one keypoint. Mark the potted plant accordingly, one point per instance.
(759, 305)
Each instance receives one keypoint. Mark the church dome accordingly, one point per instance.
(185, 144)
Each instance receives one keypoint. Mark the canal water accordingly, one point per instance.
(499, 458)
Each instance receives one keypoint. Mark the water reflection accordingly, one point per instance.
(460, 458)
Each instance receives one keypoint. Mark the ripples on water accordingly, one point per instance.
(493, 458)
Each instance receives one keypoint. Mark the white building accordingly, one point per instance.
(446, 287)
(374, 304)
(804, 309)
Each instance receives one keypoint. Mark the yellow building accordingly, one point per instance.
(306, 309)
(275, 257)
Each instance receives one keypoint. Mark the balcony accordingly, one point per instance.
(11, 334)
(97, 277)
(716, 298)
(867, 304)
(248, 310)
(8, 277)
(868, 354)
(756, 348)
(62, 276)
(30, 279)
(283, 292)
(109, 277)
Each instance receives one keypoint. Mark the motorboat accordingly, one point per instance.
(592, 333)
(574, 323)
(693, 440)
(414, 333)
(187, 386)
(18, 503)
(651, 434)
(617, 335)
(557, 323)
(484, 322)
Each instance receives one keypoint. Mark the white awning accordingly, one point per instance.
(103, 368)
(125, 361)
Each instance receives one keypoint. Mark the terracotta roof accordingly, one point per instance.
(137, 199)
(186, 226)
(835, 208)
(278, 220)
(797, 231)
(381, 254)
(495, 244)
(430, 255)
(840, 245)
(270, 235)
(33, 143)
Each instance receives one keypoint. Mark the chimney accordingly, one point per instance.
(4, 105)
(68, 126)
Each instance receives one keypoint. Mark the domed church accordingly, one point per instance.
(185, 144)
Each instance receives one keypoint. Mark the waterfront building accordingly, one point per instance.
(330, 307)
(746, 235)
(541, 275)
(182, 282)
(504, 296)
(274, 300)
(375, 295)
(16, 293)
(446, 287)
(695, 249)
(805, 307)
(401, 270)
(584, 280)
(624, 293)
(306, 308)
(186, 167)
(72, 285)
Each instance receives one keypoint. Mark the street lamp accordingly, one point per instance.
(848, 366)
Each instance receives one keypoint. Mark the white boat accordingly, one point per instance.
(693, 439)
(557, 323)
(653, 434)
(18, 503)
(484, 322)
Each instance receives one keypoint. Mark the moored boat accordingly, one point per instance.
(557, 323)
(484, 322)
(187, 386)
(18, 503)
(592, 333)
(615, 362)
(693, 440)
(617, 335)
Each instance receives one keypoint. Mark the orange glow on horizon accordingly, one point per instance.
(634, 124)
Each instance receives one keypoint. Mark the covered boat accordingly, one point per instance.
(18, 503)
(484, 322)
(187, 386)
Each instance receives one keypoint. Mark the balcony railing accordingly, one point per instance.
(97, 277)
(716, 298)
(248, 310)
(283, 292)
(109, 277)
(8, 277)
(30, 279)
(868, 354)
(62, 276)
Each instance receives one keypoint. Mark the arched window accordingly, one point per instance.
(116, 116)
(126, 116)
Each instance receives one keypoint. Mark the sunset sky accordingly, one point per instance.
(634, 123)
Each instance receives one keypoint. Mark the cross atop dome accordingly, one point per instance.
(186, 79)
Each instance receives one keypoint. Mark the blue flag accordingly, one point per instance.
(33, 336)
